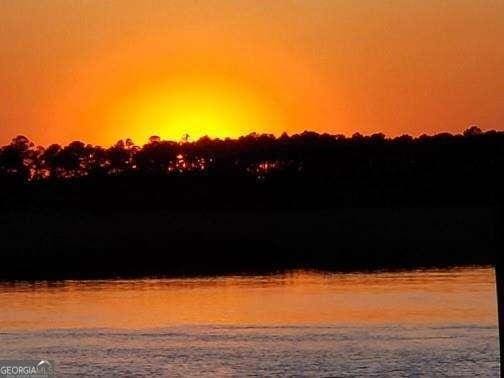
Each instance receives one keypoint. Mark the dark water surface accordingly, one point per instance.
(425, 322)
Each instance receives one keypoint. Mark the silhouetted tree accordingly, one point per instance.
(156, 157)
(50, 165)
(473, 131)
(120, 157)
(18, 159)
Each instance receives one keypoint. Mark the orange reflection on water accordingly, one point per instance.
(463, 295)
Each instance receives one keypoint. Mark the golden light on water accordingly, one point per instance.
(460, 296)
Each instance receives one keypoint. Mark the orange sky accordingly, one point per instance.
(99, 71)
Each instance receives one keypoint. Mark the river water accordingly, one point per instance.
(425, 322)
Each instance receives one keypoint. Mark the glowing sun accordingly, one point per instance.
(194, 109)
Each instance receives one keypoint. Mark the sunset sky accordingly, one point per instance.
(102, 70)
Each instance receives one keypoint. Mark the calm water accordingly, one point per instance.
(431, 323)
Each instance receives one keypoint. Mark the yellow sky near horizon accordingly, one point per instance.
(101, 70)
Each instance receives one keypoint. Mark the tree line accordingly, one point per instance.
(261, 156)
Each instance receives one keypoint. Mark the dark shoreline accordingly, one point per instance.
(243, 273)
(40, 245)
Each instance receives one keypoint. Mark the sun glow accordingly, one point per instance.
(172, 111)
(138, 89)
